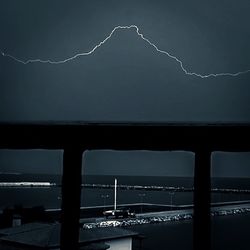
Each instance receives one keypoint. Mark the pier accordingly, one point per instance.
(165, 188)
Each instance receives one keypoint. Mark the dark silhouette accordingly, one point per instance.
(24, 214)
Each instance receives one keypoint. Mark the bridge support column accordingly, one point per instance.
(71, 198)
(202, 185)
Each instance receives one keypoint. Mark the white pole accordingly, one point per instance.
(115, 193)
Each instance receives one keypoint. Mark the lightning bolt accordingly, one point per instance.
(144, 39)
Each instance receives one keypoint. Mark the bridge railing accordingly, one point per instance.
(75, 138)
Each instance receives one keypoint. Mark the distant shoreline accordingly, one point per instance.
(122, 187)
(26, 184)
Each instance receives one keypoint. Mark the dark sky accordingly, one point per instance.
(125, 79)
(101, 162)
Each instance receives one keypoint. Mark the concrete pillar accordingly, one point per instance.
(202, 186)
(71, 198)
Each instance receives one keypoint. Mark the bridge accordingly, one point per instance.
(76, 137)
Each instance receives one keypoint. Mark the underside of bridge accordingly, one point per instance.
(75, 138)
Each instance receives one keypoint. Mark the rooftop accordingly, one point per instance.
(48, 235)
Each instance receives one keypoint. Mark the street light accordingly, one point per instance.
(59, 198)
(171, 199)
(141, 196)
(104, 196)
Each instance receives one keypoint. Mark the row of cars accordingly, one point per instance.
(230, 211)
(137, 221)
(119, 213)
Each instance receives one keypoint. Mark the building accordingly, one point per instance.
(41, 236)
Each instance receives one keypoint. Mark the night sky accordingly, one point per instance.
(125, 79)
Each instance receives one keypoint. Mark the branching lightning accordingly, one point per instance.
(135, 27)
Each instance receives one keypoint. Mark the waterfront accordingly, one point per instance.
(51, 197)
(228, 231)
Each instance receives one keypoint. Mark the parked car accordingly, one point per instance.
(119, 213)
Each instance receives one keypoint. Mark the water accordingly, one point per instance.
(166, 236)
(234, 183)
(29, 197)
(229, 232)
(92, 197)
(51, 197)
